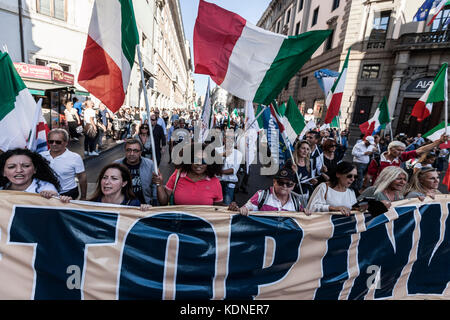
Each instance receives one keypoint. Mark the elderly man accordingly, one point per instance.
(67, 164)
(396, 155)
(141, 170)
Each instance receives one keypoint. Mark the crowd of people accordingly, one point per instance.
(316, 179)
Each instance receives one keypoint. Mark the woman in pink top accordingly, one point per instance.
(194, 182)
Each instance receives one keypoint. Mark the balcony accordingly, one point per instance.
(425, 40)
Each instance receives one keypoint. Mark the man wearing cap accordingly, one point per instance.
(361, 157)
(279, 197)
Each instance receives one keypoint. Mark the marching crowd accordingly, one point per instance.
(316, 179)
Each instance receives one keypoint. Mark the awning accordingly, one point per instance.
(44, 86)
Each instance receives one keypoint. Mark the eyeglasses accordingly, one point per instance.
(129, 150)
(153, 119)
(286, 184)
(55, 142)
(144, 128)
(354, 176)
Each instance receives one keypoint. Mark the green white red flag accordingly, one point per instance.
(110, 51)
(437, 92)
(438, 9)
(247, 61)
(334, 97)
(379, 120)
(17, 107)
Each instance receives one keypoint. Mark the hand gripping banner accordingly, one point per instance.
(50, 250)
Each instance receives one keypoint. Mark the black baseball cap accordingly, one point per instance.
(287, 174)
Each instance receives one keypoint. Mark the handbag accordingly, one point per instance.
(79, 129)
(90, 131)
(172, 195)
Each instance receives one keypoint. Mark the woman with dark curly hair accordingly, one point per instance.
(194, 182)
(24, 170)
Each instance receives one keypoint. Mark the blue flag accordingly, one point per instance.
(424, 11)
(271, 127)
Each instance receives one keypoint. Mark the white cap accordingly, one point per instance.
(370, 139)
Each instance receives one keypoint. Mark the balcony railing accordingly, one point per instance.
(425, 39)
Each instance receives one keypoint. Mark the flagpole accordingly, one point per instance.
(446, 98)
(155, 163)
(288, 145)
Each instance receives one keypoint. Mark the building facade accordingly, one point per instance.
(46, 40)
(391, 56)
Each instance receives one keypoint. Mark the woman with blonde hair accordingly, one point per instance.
(302, 166)
(389, 186)
(423, 183)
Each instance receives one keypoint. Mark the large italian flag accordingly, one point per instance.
(334, 96)
(17, 107)
(110, 50)
(247, 61)
(437, 92)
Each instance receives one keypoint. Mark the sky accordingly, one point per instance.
(251, 10)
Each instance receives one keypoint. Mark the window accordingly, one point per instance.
(329, 43)
(315, 17)
(288, 16)
(440, 23)
(40, 62)
(381, 23)
(52, 8)
(278, 26)
(335, 5)
(300, 5)
(370, 71)
(304, 82)
(297, 28)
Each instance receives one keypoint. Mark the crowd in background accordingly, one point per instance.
(324, 175)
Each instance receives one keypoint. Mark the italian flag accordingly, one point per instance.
(293, 121)
(17, 107)
(378, 121)
(247, 61)
(438, 9)
(436, 133)
(110, 50)
(334, 96)
(437, 92)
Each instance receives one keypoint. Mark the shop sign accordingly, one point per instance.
(420, 85)
(33, 71)
(64, 77)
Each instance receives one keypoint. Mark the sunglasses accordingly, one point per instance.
(55, 142)
(286, 184)
(152, 119)
(144, 127)
(354, 176)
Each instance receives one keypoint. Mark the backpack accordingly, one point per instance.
(265, 194)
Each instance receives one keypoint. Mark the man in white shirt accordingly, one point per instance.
(232, 162)
(68, 165)
(361, 157)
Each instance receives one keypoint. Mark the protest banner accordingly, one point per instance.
(51, 250)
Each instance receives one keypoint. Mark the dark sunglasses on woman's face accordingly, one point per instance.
(55, 142)
(354, 176)
(144, 127)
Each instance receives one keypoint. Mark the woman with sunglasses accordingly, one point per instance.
(24, 170)
(194, 181)
(423, 183)
(143, 136)
(330, 160)
(279, 197)
(335, 195)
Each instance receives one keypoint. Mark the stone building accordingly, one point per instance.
(391, 56)
(46, 40)
(173, 62)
